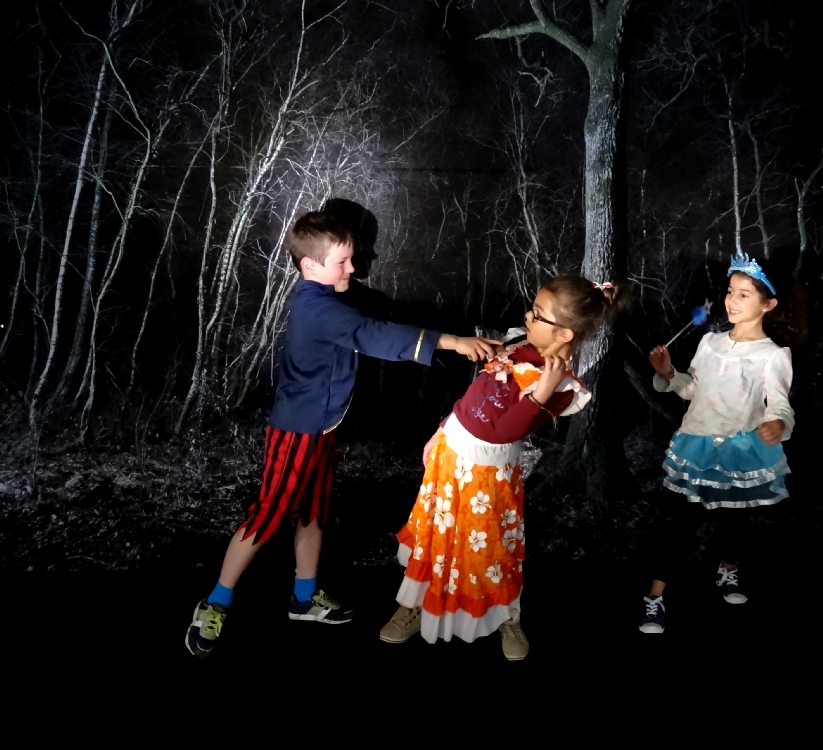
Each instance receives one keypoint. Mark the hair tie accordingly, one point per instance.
(600, 287)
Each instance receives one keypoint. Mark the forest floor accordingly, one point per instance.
(173, 506)
(102, 536)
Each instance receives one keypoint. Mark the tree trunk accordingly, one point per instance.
(58, 295)
(802, 193)
(91, 264)
(593, 455)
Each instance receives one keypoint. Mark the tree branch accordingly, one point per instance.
(544, 25)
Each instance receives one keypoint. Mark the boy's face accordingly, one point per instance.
(335, 271)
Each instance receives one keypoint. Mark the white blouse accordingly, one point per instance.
(734, 386)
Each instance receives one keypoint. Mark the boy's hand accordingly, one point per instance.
(771, 432)
(430, 445)
(662, 362)
(554, 371)
(474, 347)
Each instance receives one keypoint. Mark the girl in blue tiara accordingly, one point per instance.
(727, 455)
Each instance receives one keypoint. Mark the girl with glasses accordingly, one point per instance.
(463, 544)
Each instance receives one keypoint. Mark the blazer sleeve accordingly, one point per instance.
(347, 327)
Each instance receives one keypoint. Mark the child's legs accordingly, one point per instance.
(307, 541)
(238, 556)
(734, 532)
(671, 538)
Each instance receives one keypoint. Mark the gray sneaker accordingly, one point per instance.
(403, 625)
(730, 586)
(320, 608)
(515, 643)
(205, 628)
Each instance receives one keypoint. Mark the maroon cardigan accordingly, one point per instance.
(494, 412)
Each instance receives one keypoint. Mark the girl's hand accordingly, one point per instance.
(771, 432)
(473, 347)
(427, 449)
(554, 370)
(662, 362)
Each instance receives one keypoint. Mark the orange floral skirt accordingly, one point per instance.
(463, 543)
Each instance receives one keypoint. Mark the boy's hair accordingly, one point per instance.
(581, 305)
(313, 235)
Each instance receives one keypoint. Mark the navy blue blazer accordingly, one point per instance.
(318, 363)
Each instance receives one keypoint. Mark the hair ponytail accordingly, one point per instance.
(583, 305)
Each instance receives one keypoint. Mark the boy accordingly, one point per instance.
(317, 370)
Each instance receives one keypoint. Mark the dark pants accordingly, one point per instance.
(674, 533)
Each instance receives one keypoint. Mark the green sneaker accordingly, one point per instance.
(320, 608)
(205, 628)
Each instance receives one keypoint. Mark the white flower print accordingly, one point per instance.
(453, 574)
(418, 552)
(480, 503)
(504, 473)
(463, 472)
(510, 539)
(425, 495)
(508, 518)
(439, 565)
(442, 517)
(448, 489)
(494, 572)
(477, 540)
(472, 577)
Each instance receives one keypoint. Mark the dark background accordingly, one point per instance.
(467, 155)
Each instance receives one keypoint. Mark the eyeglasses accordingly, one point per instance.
(536, 316)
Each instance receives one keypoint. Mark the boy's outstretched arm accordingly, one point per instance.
(474, 347)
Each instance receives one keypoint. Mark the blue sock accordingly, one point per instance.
(221, 595)
(304, 588)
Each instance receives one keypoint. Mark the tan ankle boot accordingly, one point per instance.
(401, 627)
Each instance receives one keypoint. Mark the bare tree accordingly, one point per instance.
(803, 189)
(603, 260)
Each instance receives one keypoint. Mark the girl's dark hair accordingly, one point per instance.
(581, 305)
(787, 324)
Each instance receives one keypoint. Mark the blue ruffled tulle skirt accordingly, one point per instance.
(734, 472)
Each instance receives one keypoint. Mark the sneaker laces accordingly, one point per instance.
(214, 622)
(512, 629)
(652, 605)
(407, 617)
(322, 599)
(728, 577)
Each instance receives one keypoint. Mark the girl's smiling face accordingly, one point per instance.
(744, 303)
(543, 330)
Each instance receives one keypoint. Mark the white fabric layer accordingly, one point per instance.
(468, 447)
(449, 624)
(581, 396)
(782, 494)
(734, 386)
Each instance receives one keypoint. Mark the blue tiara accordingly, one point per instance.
(742, 263)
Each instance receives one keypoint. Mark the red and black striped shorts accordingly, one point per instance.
(297, 479)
